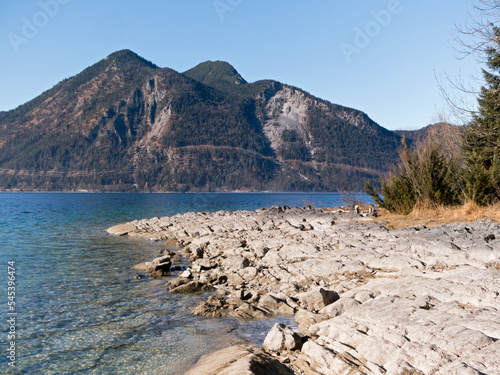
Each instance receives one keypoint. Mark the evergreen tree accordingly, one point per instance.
(482, 138)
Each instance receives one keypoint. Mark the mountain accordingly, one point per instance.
(125, 124)
(440, 131)
(213, 73)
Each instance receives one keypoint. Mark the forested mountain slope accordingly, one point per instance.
(126, 124)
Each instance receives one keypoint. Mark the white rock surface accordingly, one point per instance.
(281, 337)
(420, 300)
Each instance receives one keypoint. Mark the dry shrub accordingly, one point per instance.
(429, 173)
(351, 200)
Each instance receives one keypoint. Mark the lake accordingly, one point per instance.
(79, 309)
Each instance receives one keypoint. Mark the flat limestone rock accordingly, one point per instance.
(338, 307)
(415, 300)
(239, 360)
(122, 229)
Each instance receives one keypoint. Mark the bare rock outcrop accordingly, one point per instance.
(280, 338)
(317, 298)
(369, 300)
(239, 360)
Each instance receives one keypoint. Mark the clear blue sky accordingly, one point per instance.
(315, 45)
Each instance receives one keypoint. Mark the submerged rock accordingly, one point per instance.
(215, 307)
(191, 287)
(122, 229)
(250, 311)
(176, 282)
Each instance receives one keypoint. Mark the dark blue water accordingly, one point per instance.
(79, 307)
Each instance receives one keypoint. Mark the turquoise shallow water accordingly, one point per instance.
(79, 308)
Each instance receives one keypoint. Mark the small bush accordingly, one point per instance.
(426, 175)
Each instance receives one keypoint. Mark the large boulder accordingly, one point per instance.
(159, 267)
(281, 338)
(202, 264)
(157, 264)
(273, 303)
(317, 298)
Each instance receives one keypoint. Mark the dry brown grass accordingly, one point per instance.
(432, 216)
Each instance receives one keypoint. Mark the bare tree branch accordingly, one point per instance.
(472, 39)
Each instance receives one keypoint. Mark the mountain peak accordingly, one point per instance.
(128, 56)
(215, 72)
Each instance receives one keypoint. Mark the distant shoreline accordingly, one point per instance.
(178, 192)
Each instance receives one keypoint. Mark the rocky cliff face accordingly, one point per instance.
(125, 124)
(287, 111)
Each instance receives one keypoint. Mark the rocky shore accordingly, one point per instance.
(367, 300)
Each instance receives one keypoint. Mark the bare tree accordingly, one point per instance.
(476, 35)
(472, 39)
